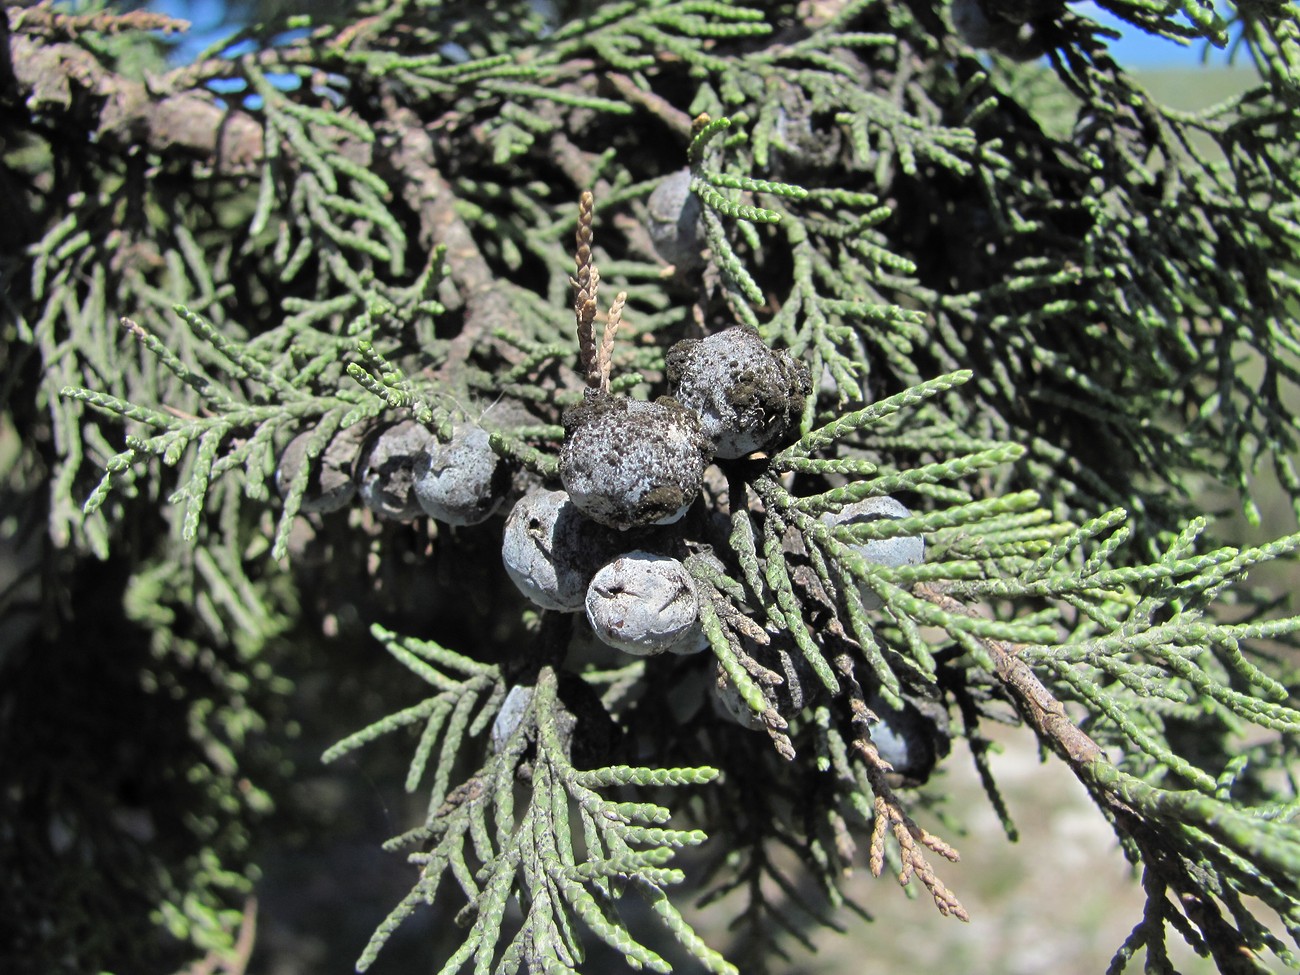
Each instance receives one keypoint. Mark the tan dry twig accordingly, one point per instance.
(586, 280)
(605, 357)
(912, 839)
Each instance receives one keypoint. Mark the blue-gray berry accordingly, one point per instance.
(728, 703)
(386, 480)
(894, 552)
(551, 550)
(628, 463)
(675, 227)
(512, 712)
(645, 604)
(1010, 27)
(911, 739)
(748, 396)
(975, 26)
(460, 482)
(331, 485)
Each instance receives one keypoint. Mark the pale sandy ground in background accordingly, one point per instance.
(1060, 900)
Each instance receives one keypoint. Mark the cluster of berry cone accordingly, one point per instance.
(631, 468)
(610, 541)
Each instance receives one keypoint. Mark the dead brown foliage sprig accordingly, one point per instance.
(912, 839)
(890, 816)
(605, 359)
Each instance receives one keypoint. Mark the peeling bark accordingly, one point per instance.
(65, 84)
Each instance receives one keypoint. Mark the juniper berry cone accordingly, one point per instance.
(894, 552)
(628, 463)
(645, 604)
(551, 550)
(462, 481)
(386, 481)
(748, 395)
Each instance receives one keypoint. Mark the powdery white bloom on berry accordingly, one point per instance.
(460, 482)
(894, 552)
(675, 227)
(645, 604)
(747, 395)
(508, 719)
(728, 703)
(551, 550)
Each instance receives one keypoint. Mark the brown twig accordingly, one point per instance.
(43, 18)
(433, 200)
(661, 108)
(59, 80)
(1037, 705)
(586, 281)
(235, 963)
(912, 839)
(1041, 709)
(246, 939)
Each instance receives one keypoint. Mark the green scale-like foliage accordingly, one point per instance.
(1047, 310)
(499, 847)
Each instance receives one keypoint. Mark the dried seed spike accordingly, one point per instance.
(606, 356)
(587, 282)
